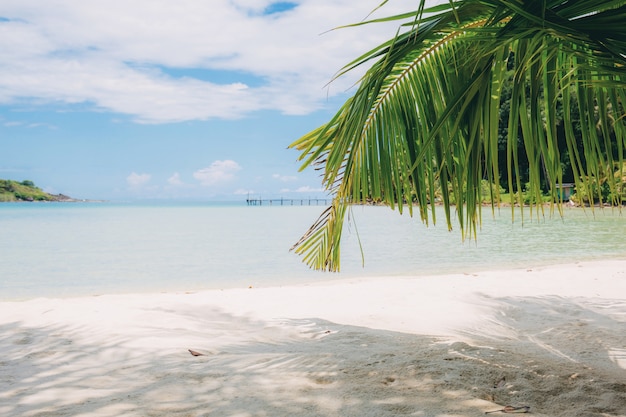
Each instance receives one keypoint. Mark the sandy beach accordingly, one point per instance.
(550, 338)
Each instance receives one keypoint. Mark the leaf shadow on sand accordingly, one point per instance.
(558, 356)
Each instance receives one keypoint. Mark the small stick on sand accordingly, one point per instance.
(511, 409)
(194, 353)
(501, 383)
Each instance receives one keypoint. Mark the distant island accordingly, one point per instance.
(11, 191)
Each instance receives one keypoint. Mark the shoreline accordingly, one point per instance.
(384, 346)
(122, 249)
(328, 279)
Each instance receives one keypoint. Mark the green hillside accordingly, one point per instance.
(26, 191)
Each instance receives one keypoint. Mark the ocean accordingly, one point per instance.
(75, 249)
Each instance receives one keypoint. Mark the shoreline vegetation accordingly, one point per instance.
(27, 191)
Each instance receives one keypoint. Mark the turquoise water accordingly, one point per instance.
(68, 249)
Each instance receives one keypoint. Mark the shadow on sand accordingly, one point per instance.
(556, 356)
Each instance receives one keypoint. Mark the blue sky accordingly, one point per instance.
(186, 99)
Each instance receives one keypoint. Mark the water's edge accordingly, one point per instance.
(68, 249)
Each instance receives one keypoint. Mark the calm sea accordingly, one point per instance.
(68, 249)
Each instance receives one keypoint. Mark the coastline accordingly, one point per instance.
(384, 346)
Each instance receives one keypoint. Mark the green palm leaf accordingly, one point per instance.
(426, 111)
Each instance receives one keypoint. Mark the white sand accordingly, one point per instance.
(425, 346)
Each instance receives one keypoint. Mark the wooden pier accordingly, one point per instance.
(288, 201)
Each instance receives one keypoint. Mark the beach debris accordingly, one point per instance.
(511, 410)
(500, 383)
(194, 353)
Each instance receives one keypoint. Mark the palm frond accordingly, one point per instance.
(427, 111)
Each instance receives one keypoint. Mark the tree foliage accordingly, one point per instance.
(428, 111)
(24, 191)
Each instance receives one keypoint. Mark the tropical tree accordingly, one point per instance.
(427, 111)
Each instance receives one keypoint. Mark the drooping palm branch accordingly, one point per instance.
(426, 112)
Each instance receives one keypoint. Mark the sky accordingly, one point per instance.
(185, 99)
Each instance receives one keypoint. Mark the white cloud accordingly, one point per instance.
(35, 125)
(131, 57)
(218, 172)
(135, 180)
(175, 180)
